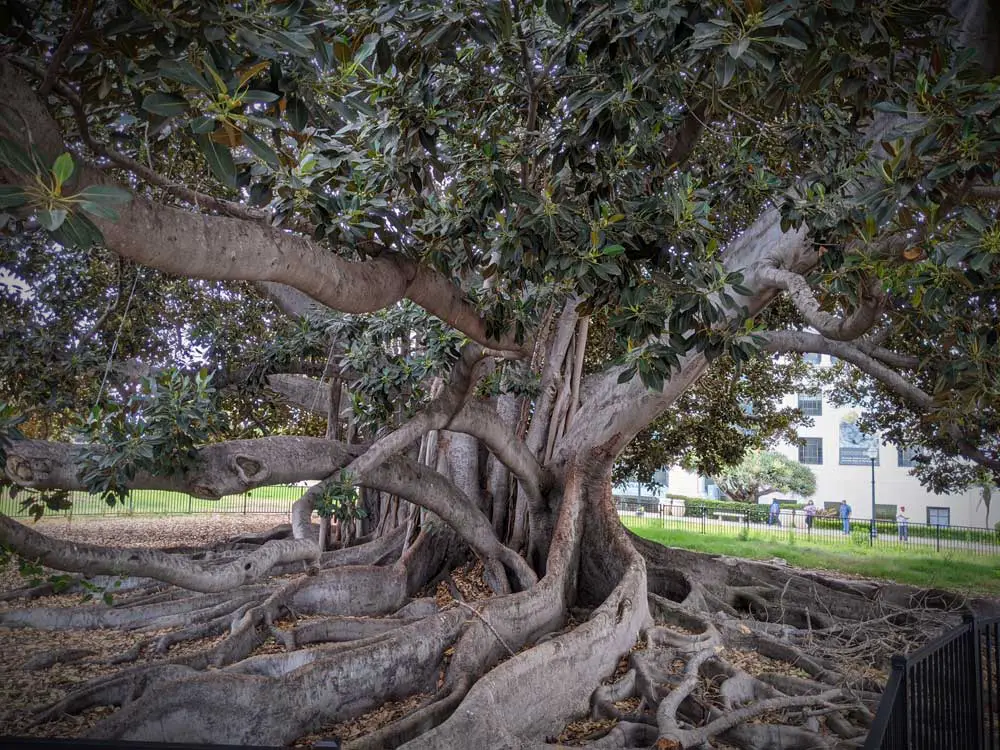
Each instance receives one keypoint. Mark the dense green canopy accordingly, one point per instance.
(524, 152)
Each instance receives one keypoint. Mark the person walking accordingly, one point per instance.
(774, 519)
(845, 516)
(903, 525)
(810, 510)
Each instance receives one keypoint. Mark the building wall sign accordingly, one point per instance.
(854, 444)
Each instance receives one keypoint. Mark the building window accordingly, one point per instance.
(811, 450)
(939, 516)
(904, 457)
(812, 358)
(811, 406)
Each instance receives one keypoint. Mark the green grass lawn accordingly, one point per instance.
(161, 502)
(918, 567)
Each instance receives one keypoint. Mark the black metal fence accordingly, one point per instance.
(276, 499)
(795, 525)
(945, 695)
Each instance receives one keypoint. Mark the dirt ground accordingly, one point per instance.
(26, 683)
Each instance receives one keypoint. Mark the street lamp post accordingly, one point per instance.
(873, 456)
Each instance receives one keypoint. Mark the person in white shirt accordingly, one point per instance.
(903, 525)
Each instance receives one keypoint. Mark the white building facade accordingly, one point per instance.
(839, 455)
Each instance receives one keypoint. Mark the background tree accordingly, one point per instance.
(510, 170)
(763, 473)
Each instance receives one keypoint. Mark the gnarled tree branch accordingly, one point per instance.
(831, 326)
(799, 341)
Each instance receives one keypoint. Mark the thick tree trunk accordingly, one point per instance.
(589, 620)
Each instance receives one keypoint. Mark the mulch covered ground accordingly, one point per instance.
(25, 683)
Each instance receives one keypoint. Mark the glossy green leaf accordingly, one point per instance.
(203, 124)
(256, 95)
(15, 157)
(297, 114)
(558, 11)
(183, 72)
(100, 210)
(163, 104)
(220, 160)
(79, 232)
(12, 196)
(105, 195)
(261, 150)
(62, 168)
(51, 219)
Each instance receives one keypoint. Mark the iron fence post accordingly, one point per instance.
(245, 496)
(976, 678)
(937, 536)
(704, 518)
(892, 722)
(190, 500)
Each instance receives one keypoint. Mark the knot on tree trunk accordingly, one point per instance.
(26, 470)
(250, 470)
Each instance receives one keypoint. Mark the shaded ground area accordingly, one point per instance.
(39, 668)
(24, 680)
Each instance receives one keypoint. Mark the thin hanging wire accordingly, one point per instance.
(114, 345)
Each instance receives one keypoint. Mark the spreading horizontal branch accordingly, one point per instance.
(781, 342)
(220, 469)
(799, 341)
(196, 245)
(241, 465)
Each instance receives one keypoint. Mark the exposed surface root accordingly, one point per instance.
(164, 566)
(757, 656)
(249, 708)
(717, 653)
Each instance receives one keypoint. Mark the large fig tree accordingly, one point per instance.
(403, 218)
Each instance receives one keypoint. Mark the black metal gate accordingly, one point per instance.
(944, 696)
